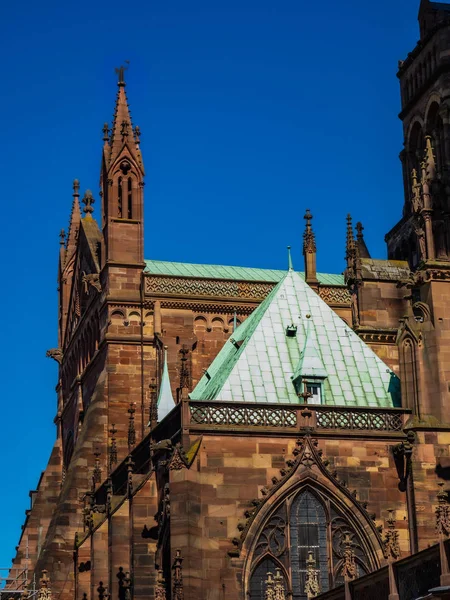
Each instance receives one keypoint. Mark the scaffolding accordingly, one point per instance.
(15, 581)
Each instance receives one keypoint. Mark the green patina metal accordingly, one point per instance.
(260, 361)
(178, 269)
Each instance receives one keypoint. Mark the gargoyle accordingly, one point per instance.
(56, 354)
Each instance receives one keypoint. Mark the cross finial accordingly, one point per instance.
(120, 72)
(309, 240)
(62, 237)
(76, 187)
(88, 201)
(290, 265)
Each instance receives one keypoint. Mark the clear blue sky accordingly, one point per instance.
(250, 111)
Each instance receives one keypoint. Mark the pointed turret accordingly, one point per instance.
(309, 251)
(122, 182)
(122, 132)
(362, 247)
(75, 218)
(165, 398)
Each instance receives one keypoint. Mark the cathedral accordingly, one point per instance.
(232, 433)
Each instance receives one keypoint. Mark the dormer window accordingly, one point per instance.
(315, 389)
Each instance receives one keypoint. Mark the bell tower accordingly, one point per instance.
(423, 234)
(122, 182)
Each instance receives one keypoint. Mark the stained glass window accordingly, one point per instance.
(307, 523)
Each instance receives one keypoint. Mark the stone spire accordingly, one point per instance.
(122, 132)
(362, 247)
(309, 251)
(75, 219)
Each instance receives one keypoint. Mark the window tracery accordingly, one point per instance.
(308, 527)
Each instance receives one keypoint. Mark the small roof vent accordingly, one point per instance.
(291, 330)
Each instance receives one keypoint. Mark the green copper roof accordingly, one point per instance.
(258, 363)
(177, 269)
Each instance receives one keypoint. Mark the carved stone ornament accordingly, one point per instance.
(178, 591)
(44, 592)
(307, 456)
(178, 460)
(91, 279)
(349, 570)
(160, 587)
(391, 544)
(312, 587)
(442, 512)
(56, 354)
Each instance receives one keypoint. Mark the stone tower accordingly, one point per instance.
(422, 236)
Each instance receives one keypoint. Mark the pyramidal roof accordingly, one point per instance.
(165, 401)
(292, 335)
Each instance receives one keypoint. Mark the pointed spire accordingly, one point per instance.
(290, 265)
(430, 161)
(75, 218)
(309, 251)
(362, 247)
(350, 241)
(165, 399)
(122, 132)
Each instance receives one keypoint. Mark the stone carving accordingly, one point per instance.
(160, 587)
(442, 512)
(178, 460)
(312, 587)
(390, 542)
(56, 354)
(44, 592)
(91, 279)
(113, 448)
(178, 592)
(131, 427)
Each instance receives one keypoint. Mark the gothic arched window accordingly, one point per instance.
(130, 199)
(119, 198)
(308, 525)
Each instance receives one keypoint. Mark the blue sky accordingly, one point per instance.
(250, 111)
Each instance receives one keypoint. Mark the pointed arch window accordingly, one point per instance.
(308, 522)
(130, 199)
(119, 198)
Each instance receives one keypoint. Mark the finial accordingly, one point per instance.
(312, 587)
(88, 201)
(131, 428)
(97, 474)
(308, 217)
(429, 158)
(137, 134)
(120, 72)
(105, 132)
(113, 448)
(62, 237)
(290, 265)
(76, 187)
(359, 231)
(309, 240)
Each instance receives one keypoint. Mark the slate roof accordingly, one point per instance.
(259, 361)
(178, 269)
